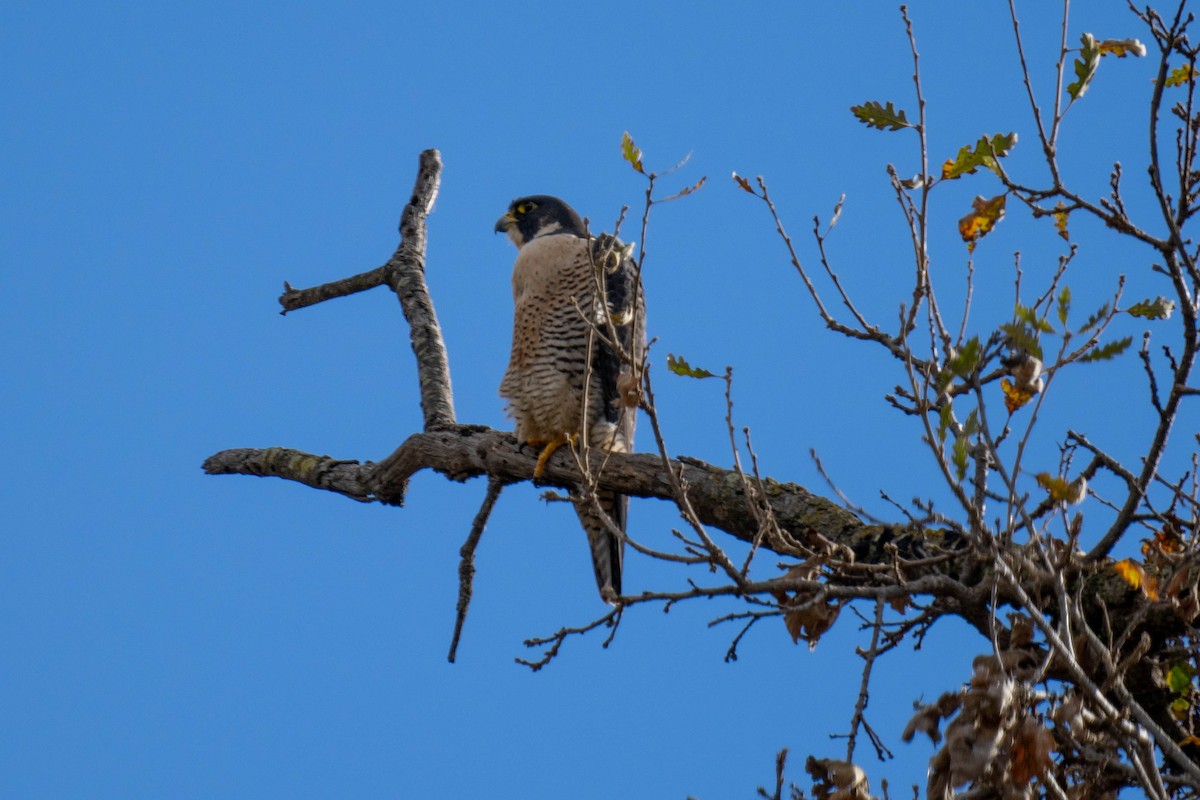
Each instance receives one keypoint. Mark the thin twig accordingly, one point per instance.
(860, 705)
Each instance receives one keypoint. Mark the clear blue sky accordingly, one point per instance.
(167, 166)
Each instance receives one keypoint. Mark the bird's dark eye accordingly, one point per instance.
(525, 208)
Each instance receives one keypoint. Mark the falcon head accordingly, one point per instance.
(539, 215)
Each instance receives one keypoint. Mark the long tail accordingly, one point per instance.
(607, 548)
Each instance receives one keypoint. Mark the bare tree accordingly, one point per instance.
(1085, 679)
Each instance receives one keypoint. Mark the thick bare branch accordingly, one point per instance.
(716, 494)
(465, 452)
(406, 276)
(319, 472)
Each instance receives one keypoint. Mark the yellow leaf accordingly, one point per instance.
(1181, 75)
(1121, 48)
(1062, 490)
(1060, 220)
(983, 217)
(1136, 577)
(1014, 398)
(631, 152)
(1058, 487)
(1131, 572)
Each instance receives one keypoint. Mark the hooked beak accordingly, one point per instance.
(505, 222)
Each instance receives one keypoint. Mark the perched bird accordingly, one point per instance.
(578, 340)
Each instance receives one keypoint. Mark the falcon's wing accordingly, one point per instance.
(627, 309)
(618, 379)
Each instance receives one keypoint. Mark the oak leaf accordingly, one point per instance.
(885, 118)
(1085, 67)
(1060, 220)
(1014, 398)
(680, 366)
(984, 154)
(984, 215)
(1121, 48)
(1181, 75)
(631, 152)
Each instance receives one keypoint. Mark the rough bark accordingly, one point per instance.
(469, 451)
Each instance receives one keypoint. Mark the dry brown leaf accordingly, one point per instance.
(928, 718)
(811, 621)
(1167, 540)
(837, 780)
(1022, 631)
(1031, 749)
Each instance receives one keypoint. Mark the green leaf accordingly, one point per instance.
(875, 115)
(1085, 67)
(966, 360)
(1158, 308)
(984, 154)
(1179, 679)
(958, 457)
(945, 416)
(680, 366)
(631, 152)
(1022, 337)
(1064, 304)
(1108, 351)
(959, 453)
(1181, 75)
(1095, 319)
(1030, 318)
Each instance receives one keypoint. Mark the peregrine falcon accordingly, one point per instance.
(573, 294)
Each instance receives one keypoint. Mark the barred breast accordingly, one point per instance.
(544, 383)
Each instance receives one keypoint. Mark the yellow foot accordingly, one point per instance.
(549, 449)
